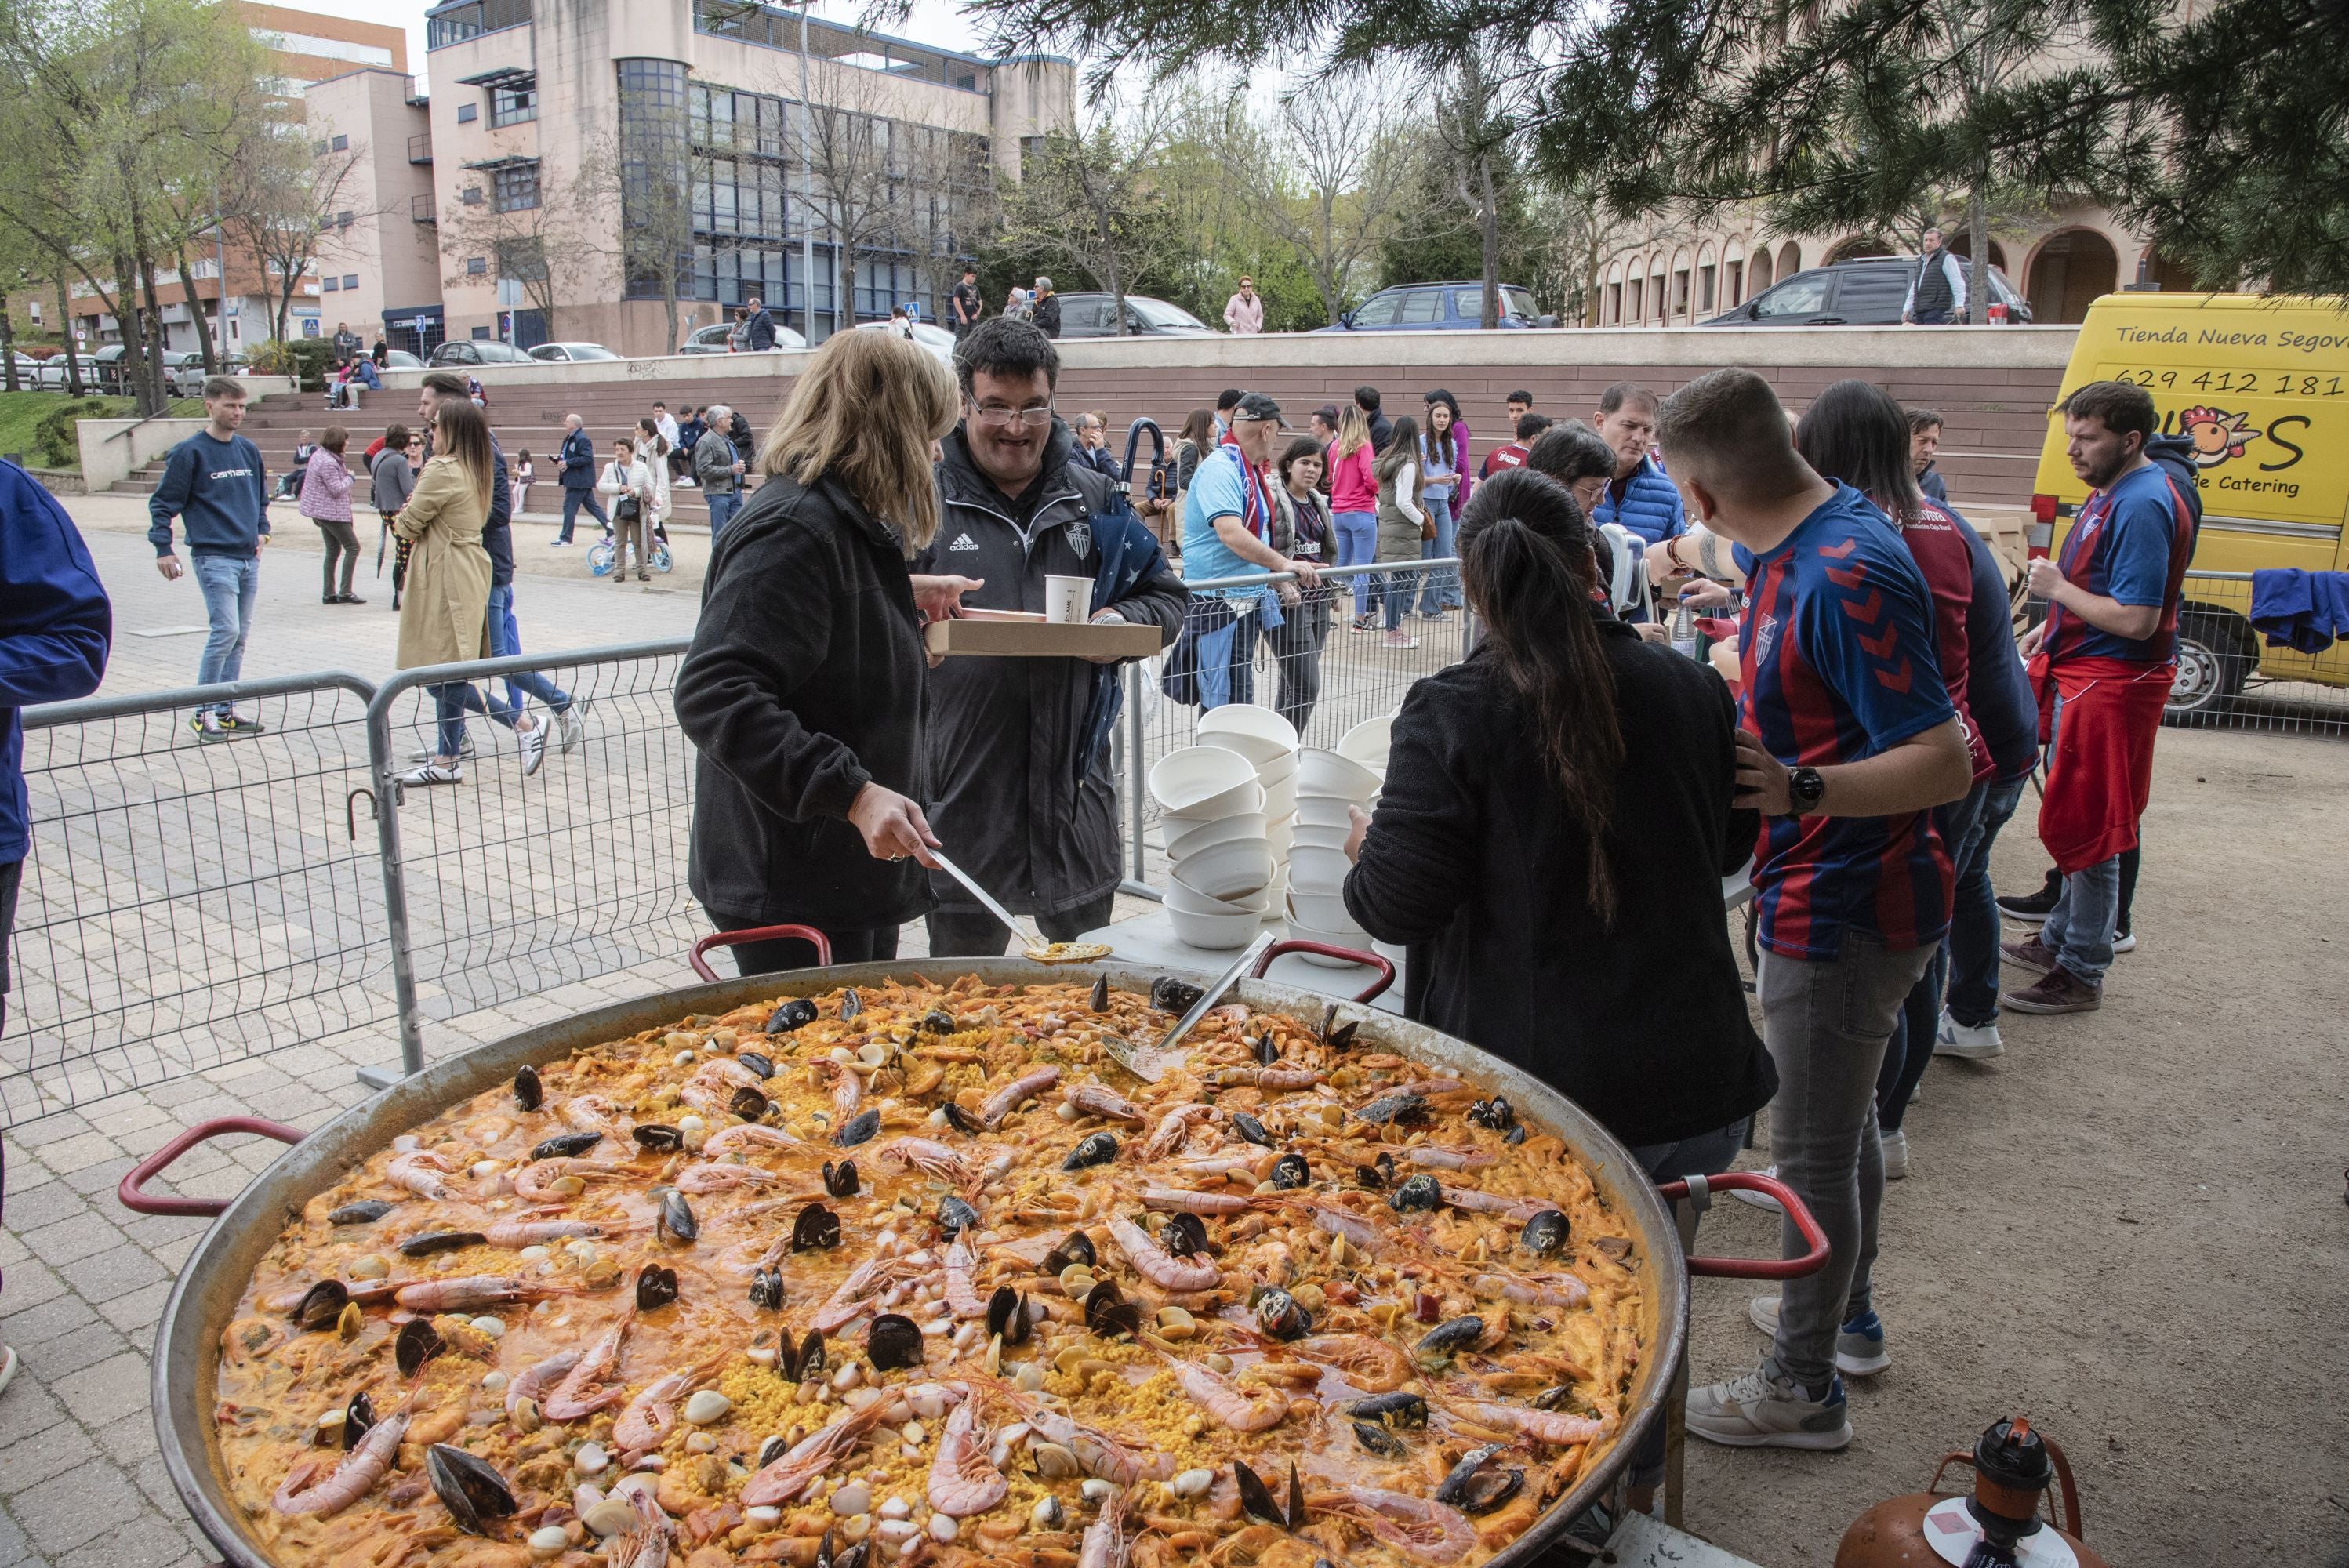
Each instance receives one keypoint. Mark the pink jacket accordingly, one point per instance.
(326, 488)
(1352, 486)
(1244, 316)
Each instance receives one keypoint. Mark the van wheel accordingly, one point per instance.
(2216, 655)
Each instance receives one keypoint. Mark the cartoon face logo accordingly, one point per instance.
(2216, 435)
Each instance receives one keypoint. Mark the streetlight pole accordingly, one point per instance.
(807, 173)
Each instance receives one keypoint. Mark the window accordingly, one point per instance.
(477, 266)
(455, 24)
(1737, 282)
(350, 280)
(1705, 288)
(1420, 306)
(341, 144)
(1614, 302)
(516, 187)
(1797, 296)
(514, 103)
(342, 220)
(1378, 310)
(1633, 315)
(467, 113)
(330, 285)
(471, 196)
(481, 334)
(1680, 292)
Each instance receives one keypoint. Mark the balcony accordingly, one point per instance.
(421, 210)
(420, 148)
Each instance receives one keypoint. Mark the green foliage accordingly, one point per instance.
(306, 358)
(54, 441)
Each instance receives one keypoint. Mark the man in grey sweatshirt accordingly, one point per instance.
(213, 483)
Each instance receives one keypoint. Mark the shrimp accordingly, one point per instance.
(352, 1478)
(932, 1159)
(1534, 1290)
(1174, 1129)
(535, 1381)
(1277, 1078)
(798, 1467)
(1468, 1198)
(1364, 1360)
(698, 1180)
(573, 1399)
(1450, 1159)
(1357, 1231)
(1428, 1531)
(1154, 1264)
(853, 1298)
(1100, 1454)
(651, 1416)
(649, 1544)
(1541, 1426)
(962, 1481)
(1106, 1543)
(1093, 1100)
(1231, 1165)
(476, 1291)
(847, 1088)
(414, 1170)
(530, 1233)
(1242, 1408)
(727, 1139)
(534, 1181)
(590, 1113)
(1002, 1101)
(961, 1295)
(1178, 1200)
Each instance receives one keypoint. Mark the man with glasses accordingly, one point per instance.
(1019, 790)
(1227, 532)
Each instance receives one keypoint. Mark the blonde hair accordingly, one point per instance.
(864, 412)
(465, 439)
(1353, 430)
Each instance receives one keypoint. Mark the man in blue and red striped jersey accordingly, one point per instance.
(1849, 741)
(2101, 664)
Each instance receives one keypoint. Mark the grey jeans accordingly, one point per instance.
(1825, 1022)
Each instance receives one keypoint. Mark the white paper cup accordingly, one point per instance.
(1067, 600)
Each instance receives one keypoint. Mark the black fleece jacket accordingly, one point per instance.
(1474, 861)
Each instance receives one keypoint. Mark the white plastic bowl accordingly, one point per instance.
(1324, 811)
(1187, 778)
(1243, 798)
(1256, 732)
(1280, 773)
(1183, 841)
(1306, 837)
(1327, 773)
(1182, 895)
(1312, 868)
(1321, 911)
(1359, 941)
(1214, 932)
(1367, 743)
(1236, 871)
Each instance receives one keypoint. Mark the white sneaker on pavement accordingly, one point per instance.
(532, 743)
(1859, 1344)
(573, 726)
(1761, 1409)
(434, 773)
(1968, 1042)
(1896, 1154)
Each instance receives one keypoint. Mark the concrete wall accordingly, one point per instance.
(108, 454)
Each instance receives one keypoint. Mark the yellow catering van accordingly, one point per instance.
(2260, 387)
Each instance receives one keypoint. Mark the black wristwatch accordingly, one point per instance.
(1804, 789)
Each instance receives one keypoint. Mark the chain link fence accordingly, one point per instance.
(2229, 675)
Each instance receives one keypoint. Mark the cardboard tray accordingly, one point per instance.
(1039, 640)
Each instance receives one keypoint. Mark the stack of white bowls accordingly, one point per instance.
(1221, 867)
(1328, 787)
(1269, 742)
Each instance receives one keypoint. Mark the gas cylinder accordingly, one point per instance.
(1998, 1526)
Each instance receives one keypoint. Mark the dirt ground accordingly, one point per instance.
(2131, 1225)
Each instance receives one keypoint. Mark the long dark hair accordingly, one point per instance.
(1856, 432)
(1200, 430)
(1402, 446)
(1526, 562)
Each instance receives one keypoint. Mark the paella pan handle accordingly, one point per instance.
(1327, 950)
(133, 1195)
(807, 933)
(1810, 1262)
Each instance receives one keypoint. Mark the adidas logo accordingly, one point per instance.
(963, 541)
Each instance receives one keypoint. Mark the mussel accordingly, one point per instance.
(850, 1003)
(816, 1227)
(1250, 1128)
(1093, 1149)
(358, 1416)
(1447, 1337)
(893, 1341)
(858, 1128)
(856, 1556)
(1007, 1315)
(1391, 1107)
(1290, 1170)
(749, 1104)
(1171, 996)
(1257, 1502)
(961, 1120)
(774, 1448)
(1076, 1247)
(528, 1093)
(565, 1145)
(796, 1363)
(939, 1021)
(475, 1494)
(1516, 1135)
(1337, 1037)
(655, 1287)
(1379, 1442)
(1279, 1315)
(767, 1288)
(418, 1342)
(365, 1213)
(1399, 1408)
(1493, 1115)
(657, 1136)
(424, 1243)
(676, 1217)
(1472, 1488)
(1183, 1235)
(1545, 1234)
(812, 1358)
(321, 1304)
(1420, 1191)
(955, 1216)
(1109, 1313)
(840, 1179)
(1099, 1000)
(1378, 1173)
(1266, 1053)
(1558, 1399)
(791, 1016)
(757, 1062)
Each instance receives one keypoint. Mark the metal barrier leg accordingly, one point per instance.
(1136, 777)
(1684, 1217)
(395, 901)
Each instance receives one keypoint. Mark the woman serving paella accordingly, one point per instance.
(912, 1274)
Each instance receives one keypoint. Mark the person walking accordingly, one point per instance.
(801, 693)
(964, 307)
(629, 486)
(1850, 741)
(1937, 286)
(1558, 815)
(1020, 787)
(1227, 532)
(2101, 664)
(575, 469)
(1244, 311)
(1403, 526)
(757, 326)
(1302, 530)
(1354, 502)
(445, 610)
(1439, 455)
(391, 479)
(718, 470)
(326, 500)
(1044, 308)
(214, 485)
(1639, 500)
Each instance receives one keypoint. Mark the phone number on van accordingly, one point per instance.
(2263, 383)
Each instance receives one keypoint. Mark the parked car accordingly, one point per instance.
(1866, 292)
(185, 369)
(713, 339)
(1457, 305)
(467, 352)
(937, 339)
(1094, 315)
(566, 353)
(29, 373)
(400, 359)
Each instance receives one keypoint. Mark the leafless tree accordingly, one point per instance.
(862, 175)
(1090, 198)
(280, 197)
(543, 245)
(1335, 177)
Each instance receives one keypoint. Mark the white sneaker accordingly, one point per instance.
(434, 773)
(2125, 942)
(532, 743)
(1896, 1154)
(573, 726)
(1761, 1410)
(560, 544)
(1970, 1042)
(1760, 1200)
(1859, 1344)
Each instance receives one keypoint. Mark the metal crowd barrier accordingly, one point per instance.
(2229, 677)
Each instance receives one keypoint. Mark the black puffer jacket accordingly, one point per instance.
(804, 683)
(1003, 733)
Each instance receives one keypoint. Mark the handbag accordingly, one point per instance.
(629, 507)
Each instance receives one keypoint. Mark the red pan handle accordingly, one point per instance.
(1327, 950)
(132, 1194)
(1810, 1262)
(808, 933)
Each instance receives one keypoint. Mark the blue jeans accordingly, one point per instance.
(722, 508)
(2079, 929)
(230, 584)
(1357, 545)
(1910, 1050)
(1391, 595)
(449, 700)
(1972, 996)
(573, 500)
(505, 641)
(1438, 590)
(1227, 665)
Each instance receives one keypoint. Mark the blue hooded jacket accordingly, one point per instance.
(1650, 506)
(55, 627)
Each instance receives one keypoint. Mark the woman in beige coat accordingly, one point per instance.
(443, 612)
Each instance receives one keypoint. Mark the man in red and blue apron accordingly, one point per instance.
(2101, 665)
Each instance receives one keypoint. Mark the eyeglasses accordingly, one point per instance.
(997, 418)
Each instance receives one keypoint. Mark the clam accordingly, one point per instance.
(657, 1138)
(1472, 1488)
(475, 1494)
(322, 1305)
(365, 1212)
(528, 1093)
(1250, 1128)
(349, 1322)
(767, 1288)
(1446, 1338)
(707, 1407)
(357, 1417)
(1545, 1234)
(859, 1128)
(791, 1016)
(816, 1227)
(565, 1145)
(1094, 1148)
(1053, 1462)
(757, 1062)
(1183, 1235)
(1047, 1514)
(1099, 1000)
(1290, 1170)
(893, 1341)
(613, 1516)
(655, 1287)
(418, 1342)
(676, 1217)
(773, 1449)
(1171, 996)
(424, 1243)
(840, 1180)
(1421, 1192)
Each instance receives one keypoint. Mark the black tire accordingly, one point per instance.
(2216, 654)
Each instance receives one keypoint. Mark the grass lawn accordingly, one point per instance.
(20, 412)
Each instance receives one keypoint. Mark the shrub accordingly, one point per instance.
(53, 437)
(306, 358)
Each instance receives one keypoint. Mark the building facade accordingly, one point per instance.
(587, 165)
